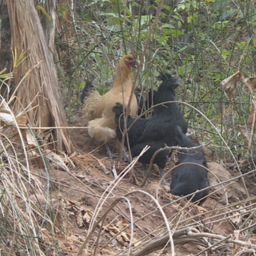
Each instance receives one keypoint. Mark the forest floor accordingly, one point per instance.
(90, 175)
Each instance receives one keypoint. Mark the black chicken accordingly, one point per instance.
(157, 131)
(187, 179)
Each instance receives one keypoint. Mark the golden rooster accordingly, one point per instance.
(98, 109)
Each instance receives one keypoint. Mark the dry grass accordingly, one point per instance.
(37, 209)
(41, 207)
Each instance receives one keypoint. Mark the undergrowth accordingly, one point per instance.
(199, 41)
(202, 42)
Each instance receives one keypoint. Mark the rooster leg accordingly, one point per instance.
(143, 171)
(161, 175)
(144, 166)
(111, 156)
(125, 156)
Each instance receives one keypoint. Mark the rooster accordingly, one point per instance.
(98, 109)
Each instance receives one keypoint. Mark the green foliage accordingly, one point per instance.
(203, 42)
(61, 11)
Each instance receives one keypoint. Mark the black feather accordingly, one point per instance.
(187, 179)
(157, 131)
(88, 86)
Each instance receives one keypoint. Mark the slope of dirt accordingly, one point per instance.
(79, 191)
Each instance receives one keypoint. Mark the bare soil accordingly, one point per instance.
(77, 194)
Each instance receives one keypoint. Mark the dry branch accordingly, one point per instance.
(189, 236)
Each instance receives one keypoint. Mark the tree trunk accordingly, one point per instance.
(5, 51)
(38, 95)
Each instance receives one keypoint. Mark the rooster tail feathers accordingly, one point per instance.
(118, 109)
(179, 135)
(90, 104)
(86, 90)
(164, 76)
(99, 131)
(183, 140)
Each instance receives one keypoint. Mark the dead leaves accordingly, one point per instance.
(81, 212)
(83, 217)
(71, 243)
(121, 231)
(68, 243)
(61, 207)
(16, 129)
(229, 84)
(251, 118)
(244, 133)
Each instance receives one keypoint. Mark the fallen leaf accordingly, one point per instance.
(229, 84)
(57, 161)
(30, 139)
(251, 84)
(238, 216)
(87, 216)
(79, 219)
(123, 237)
(83, 216)
(251, 116)
(21, 120)
(244, 133)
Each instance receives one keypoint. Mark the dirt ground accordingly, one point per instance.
(89, 186)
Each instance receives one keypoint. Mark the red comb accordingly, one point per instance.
(133, 55)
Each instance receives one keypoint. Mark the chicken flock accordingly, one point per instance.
(110, 118)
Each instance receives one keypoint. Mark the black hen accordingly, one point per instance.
(187, 179)
(149, 100)
(157, 131)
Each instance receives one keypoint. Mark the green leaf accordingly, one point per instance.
(180, 7)
(162, 39)
(61, 11)
(145, 19)
(220, 3)
(189, 18)
(128, 12)
(183, 49)
(167, 25)
(173, 32)
(4, 76)
(228, 13)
